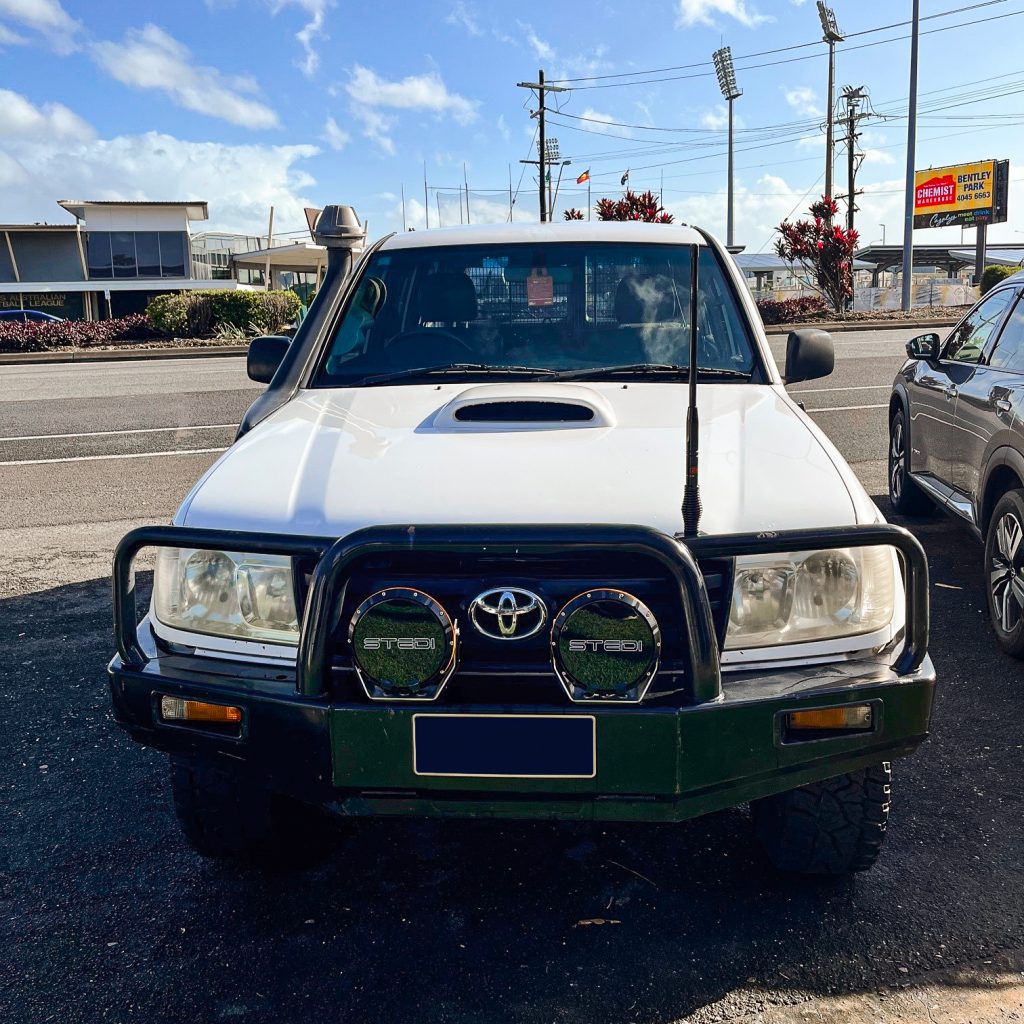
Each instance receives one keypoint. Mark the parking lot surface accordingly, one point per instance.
(110, 916)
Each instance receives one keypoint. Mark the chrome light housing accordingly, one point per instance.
(806, 596)
(226, 594)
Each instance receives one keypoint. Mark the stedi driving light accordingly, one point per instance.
(226, 593)
(811, 595)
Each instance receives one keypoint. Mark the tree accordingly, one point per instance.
(572, 214)
(633, 206)
(823, 249)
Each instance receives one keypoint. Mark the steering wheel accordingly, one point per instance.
(413, 340)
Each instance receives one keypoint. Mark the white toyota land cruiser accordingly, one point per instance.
(463, 559)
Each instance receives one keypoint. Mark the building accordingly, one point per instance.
(117, 256)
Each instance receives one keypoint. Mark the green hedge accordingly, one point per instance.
(193, 314)
(993, 275)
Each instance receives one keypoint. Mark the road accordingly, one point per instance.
(109, 916)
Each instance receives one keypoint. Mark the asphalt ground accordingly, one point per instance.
(109, 916)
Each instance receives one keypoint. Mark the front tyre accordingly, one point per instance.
(227, 815)
(833, 827)
(905, 497)
(1004, 572)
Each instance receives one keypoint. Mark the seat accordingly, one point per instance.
(648, 309)
(445, 298)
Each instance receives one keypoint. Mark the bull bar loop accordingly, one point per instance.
(336, 557)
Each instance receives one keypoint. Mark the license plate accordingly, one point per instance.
(505, 746)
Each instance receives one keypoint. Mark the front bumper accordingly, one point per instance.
(654, 762)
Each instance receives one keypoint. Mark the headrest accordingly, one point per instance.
(647, 299)
(445, 297)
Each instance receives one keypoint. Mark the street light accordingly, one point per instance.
(882, 226)
(730, 91)
(553, 155)
(830, 35)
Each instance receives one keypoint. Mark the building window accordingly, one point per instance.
(147, 249)
(172, 254)
(98, 249)
(122, 251)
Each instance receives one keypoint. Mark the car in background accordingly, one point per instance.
(28, 316)
(956, 440)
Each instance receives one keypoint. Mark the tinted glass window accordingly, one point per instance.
(967, 342)
(98, 250)
(147, 251)
(560, 306)
(122, 251)
(1009, 351)
(172, 254)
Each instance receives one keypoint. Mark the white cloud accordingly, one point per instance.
(335, 137)
(803, 99)
(541, 50)
(9, 38)
(310, 32)
(581, 65)
(717, 118)
(703, 12)
(20, 119)
(376, 127)
(414, 92)
(46, 17)
(463, 16)
(596, 121)
(149, 58)
(240, 182)
(503, 128)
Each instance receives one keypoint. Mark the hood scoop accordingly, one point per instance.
(525, 407)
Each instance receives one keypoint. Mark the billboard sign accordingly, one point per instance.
(961, 195)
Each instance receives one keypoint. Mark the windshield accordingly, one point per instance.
(528, 310)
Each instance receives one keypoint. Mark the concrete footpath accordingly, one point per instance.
(94, 355)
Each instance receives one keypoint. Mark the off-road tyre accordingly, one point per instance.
(1004, 572)
(227, 815)
(905, 497)
(833, 827)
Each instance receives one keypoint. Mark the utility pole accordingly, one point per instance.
(542, 90)
(908, 205)
(426, 196)
(831, 35)
(731, 92)
(854, 98)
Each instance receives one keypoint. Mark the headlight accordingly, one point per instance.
(811, 595)
(225, 593)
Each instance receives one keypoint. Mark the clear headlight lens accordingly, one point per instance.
(811, 595)
(226, 593)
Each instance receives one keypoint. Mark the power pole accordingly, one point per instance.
(908, 205)
(831, 35)
(854, 98)
(542, 89)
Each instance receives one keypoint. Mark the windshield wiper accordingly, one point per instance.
(446, 368)
(640, 368)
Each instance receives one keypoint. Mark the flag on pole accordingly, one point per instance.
(585, 176)
(624, 178)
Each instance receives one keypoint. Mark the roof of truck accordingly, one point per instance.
(558, 231)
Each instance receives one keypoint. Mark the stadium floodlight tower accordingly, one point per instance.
(830, 35)
(730, 91)
(553, 155)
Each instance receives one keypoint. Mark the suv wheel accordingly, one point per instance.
(905, 496)
(1004, 565)
(827, 828)
(227, 815)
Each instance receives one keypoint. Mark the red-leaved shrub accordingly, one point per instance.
(789, 311)
(47, 336)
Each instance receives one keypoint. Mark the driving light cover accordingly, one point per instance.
(804, 596)
(403, 645)
(605, 645)
(226, 593)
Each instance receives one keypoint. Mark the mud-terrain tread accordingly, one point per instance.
(227, 816)
(832, 827)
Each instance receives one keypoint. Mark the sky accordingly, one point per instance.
(296, 103)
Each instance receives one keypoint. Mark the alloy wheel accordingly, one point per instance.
(1005, 576)
(897, 458)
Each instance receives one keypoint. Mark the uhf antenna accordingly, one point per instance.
(691, 489)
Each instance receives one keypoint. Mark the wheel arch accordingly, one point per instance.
(1005, 473)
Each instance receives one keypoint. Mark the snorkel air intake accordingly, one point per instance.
(691, 489)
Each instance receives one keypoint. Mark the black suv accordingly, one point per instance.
(956, 439)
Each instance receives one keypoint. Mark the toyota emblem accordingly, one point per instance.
(507, 613)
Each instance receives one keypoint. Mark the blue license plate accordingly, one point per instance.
(505, 746)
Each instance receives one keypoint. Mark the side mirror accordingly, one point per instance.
(265, 355)
(924, 346)
(809, 355)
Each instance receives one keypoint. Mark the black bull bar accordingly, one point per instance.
(336, 558)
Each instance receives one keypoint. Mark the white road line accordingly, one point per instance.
(819, 391)
(847, 408)
(102, 458)
(110, 433)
